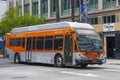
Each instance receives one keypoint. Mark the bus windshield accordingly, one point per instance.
(89, 43)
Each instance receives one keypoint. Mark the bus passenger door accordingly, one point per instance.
(28, 49)
(68, 53)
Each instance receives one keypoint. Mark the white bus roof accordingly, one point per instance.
(51, 26)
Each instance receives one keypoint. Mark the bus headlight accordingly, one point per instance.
(81, 56)
(103, 61)
(101, 56)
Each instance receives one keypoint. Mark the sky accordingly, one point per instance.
(2, 8)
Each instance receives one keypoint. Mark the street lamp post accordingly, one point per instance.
(57, 11)
(72, 10)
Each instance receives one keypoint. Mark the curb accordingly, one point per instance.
(114, 63)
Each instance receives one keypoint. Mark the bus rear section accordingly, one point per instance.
(64, 43)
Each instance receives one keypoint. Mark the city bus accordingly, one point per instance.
(60, 44)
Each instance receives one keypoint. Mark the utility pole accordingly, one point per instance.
(72, 10)
(84, 11)
(57, 11)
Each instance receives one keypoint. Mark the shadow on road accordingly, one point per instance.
(90, 67)
(6, 63)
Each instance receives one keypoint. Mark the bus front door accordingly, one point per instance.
(29, 48)
(68, 53)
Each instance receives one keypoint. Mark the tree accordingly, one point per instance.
(13, 19)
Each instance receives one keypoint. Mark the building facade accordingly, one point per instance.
(104, 15)
(2, 8)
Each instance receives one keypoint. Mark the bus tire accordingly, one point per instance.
(84, 65)
(17, 58)
(58, 61)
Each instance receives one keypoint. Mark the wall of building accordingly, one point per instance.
(2, 8)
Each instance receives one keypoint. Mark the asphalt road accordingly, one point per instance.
(11, 71)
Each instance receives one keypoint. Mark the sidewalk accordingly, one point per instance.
(113, 61)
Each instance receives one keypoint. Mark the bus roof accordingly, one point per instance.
(51, 26)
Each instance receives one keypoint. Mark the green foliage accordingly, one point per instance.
(13, 19)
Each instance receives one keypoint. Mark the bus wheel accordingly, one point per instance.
(17, 58)
(58, 61)
(84, 65)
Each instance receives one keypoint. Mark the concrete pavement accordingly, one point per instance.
(113, 61)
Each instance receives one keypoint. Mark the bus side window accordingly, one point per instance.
(23, 42)
(58, 43)
(40, 43)
(18, 42)
(12, 42)
(48, 42)
(75, 47)
(34, 43)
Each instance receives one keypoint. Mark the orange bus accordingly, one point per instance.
(62, 43)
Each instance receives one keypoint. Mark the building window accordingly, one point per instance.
(19, 4)
(35, 7)
(26, 6)
(58, 43)
(65, 7)
(109, 19)
(93, 5)
(93, 20)
(48, 42)
(52, 8)
(77, 5)
(44, 7)
(66, 4)
(109, 3)
(40, 43)
(11, 3)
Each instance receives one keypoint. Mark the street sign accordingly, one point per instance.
(109, 27)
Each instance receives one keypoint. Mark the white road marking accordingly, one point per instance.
(80, 74)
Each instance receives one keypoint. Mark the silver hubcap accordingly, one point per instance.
(16, 59)
(59, 61)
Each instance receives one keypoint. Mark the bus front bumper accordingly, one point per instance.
(90, 61)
